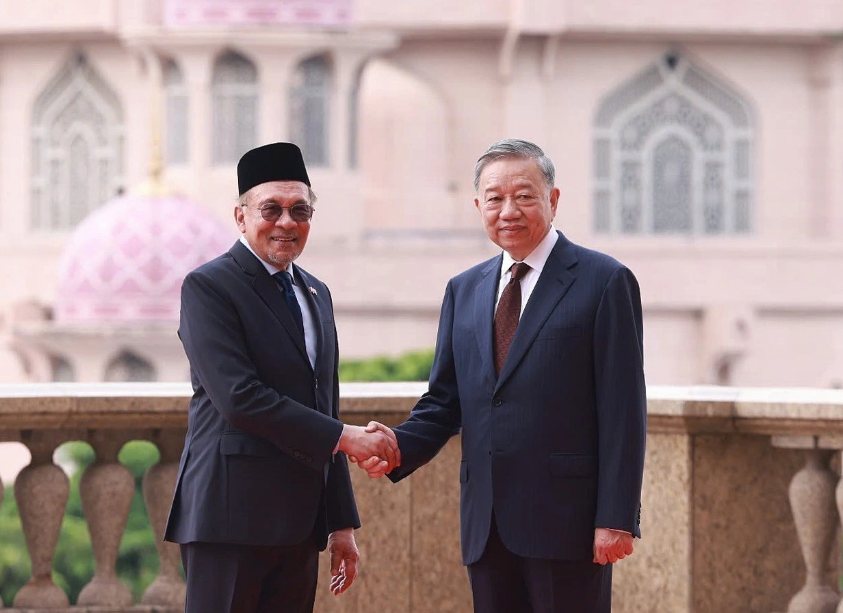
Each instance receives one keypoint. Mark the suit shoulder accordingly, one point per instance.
(475, 272)
(212, 267)
(598, 263)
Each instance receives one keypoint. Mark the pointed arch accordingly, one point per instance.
(310, 103)
(234, 93)
(673, 154)
(176, 113)
(404, 128)
(354, 118)
(77, 146)
(128, 366)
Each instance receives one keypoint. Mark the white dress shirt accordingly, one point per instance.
(306, 315)
(536, 261)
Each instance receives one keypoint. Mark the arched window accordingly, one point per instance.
(62, 369)
(234, 88)
(354, 120)
(310, 100)
(129, 367)
(77, 146)
(672, 154)
(176, 101)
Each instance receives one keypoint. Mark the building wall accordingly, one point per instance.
(434, 93)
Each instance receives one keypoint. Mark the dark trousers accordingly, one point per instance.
(502, 582)
(250, 579)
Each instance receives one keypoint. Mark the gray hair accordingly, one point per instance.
(514, 148)
(243, 199)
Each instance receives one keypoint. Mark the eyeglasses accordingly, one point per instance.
(300, 213)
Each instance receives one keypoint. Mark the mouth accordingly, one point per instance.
(283, 239)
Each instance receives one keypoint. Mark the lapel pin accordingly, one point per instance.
(312, 291)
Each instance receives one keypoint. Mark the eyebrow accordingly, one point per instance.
(275, 202)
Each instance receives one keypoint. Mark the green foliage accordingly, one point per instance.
(412, 366)
(73, 563)
(14, 560)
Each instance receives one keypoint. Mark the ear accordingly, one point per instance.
(554, 199)
(239, 218)
(477, 204)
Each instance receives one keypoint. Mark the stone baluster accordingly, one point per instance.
(41, 491)
(839, 496)
(106, 489)
(812, 501)
(159, 483)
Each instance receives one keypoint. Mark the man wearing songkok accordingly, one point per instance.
(263, 482)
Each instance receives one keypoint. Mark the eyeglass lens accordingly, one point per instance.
(299, 212)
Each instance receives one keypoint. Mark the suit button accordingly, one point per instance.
(497, 402)
(315, 382)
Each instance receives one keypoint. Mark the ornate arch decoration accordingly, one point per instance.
(77, 146)
(673, 153)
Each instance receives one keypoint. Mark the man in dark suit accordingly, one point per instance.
(539, 363)
(261, 486)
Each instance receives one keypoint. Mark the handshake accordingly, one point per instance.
(373, 448)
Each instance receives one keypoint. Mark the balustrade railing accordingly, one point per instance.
(689, 429)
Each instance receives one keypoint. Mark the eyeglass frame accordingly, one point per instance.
(289, 209)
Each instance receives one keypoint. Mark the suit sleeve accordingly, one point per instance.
(621, 403)
(437, 415)
(342, 508)
(212, 334)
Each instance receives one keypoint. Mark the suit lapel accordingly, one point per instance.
(484, 312)
(555, 280)
(268, 290)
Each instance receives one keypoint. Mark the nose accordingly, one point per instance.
(286, 220)
(509, 210)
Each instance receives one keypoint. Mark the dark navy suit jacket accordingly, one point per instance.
(555, 444)
(257, 466)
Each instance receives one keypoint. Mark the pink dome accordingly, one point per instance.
(126, 261)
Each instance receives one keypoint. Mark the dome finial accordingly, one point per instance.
(154, 184)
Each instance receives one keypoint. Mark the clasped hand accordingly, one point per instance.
(374, 448)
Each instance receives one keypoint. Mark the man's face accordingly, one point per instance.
(280, 242)
(516, 205)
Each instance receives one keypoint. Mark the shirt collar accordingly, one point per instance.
(269, 267)
(538, 258)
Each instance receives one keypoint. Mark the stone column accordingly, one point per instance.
(158, 486)
(196, 62)
(41, 491)
(106, 489)
(820, 70)
(815, 515)
(274, 67)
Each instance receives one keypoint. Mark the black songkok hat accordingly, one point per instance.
(273, 162)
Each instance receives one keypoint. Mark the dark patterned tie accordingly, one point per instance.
(508, 313)
(286, 282)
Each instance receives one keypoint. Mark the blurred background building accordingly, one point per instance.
(701, 143)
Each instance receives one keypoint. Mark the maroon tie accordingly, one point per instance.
(508, 313)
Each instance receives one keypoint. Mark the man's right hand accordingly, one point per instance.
(373, 465)
(377, 444)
